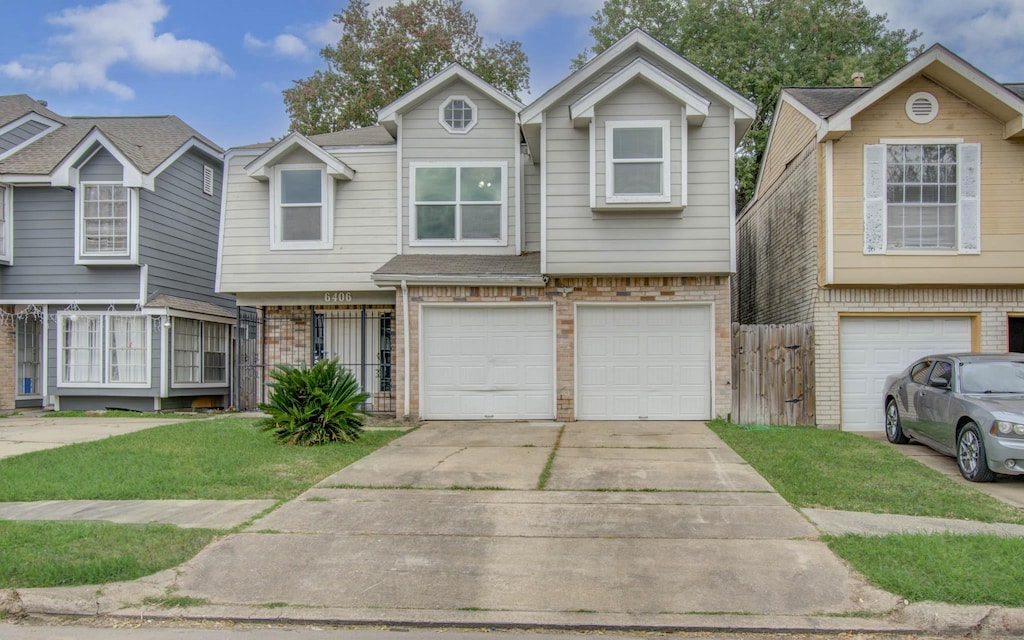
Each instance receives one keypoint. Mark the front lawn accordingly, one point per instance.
(824, 469)
(63, 554)
(222, 459)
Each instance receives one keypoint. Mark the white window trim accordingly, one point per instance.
(202, 351)
(129, 258)
(326, 214)
(448, 127)
(503, 222)
(958, 248)
(609, 167)
(62, 383)
(7, 221)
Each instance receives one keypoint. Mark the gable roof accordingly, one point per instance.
(825, 101)
(582, 111)
(362, 136)
(938, 64)
(260, 168)
(455, 71)
(645, 44)
(17, 106)
(146, 142)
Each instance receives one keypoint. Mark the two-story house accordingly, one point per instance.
(108, 239)
(890, 218)
(569, 259)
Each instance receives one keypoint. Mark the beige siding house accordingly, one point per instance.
(888, 216)
(564, 260)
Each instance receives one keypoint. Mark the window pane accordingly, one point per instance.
(435, 184)
(300, 186)
(481, 184)
(300, 223)
(435, 222)
(458, 114)
(481, 221)
(638, 178)
(127, 349)
(636, 143)
(186, 350)
(83, 349)
(921, 196)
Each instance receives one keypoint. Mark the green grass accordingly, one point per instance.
(824, 469)
(59, 554)
(545, 474)
(222, 459)
(975, 569)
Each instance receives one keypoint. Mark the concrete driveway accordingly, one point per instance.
(638, 524)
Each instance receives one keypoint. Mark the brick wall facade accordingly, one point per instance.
(564, 293)
(992, 306)
(8, 355)
(777, 241)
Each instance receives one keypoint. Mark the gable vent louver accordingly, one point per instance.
(208, 180)
(922, 107)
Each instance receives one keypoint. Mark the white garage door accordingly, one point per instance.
(872, 348)
(487, 363)
(644, 362)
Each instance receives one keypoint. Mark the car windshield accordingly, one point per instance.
(1003, 376)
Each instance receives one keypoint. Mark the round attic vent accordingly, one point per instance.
(922, 107)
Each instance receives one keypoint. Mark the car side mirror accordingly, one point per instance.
(939, 383)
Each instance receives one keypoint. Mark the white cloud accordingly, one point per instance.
(98, 37)
(324, 33)
(285, 45)
(986, 33)
(514, 17)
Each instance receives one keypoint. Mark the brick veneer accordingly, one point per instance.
(992, 306)
(564, 293)
(8, 354)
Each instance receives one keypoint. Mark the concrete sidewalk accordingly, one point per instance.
(36, 432)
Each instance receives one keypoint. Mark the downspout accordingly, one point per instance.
(405, 347)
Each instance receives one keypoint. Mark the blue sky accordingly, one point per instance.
(221, 64)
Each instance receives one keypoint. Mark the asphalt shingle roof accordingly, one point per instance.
(347, 138)
(462, 265)
(1016, 87)
(164, 301)
(14, 107)
(826, 101)
(145, 140)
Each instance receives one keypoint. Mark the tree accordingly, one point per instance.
(386, 53)
(756, 47)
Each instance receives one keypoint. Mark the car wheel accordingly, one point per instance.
(970, 455)
(893, 428)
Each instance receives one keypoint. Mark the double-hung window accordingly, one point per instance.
(301, 207)
(637, 163)
(458, 204)
(200, 352)
(105, 221)
(104, 349)
(922, 196)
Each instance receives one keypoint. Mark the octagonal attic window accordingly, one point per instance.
(922, 107)
(457, 114)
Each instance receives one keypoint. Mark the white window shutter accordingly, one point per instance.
(874, 198)
(969, 189)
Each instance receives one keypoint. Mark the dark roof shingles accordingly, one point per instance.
(826, 101)
(461, 265)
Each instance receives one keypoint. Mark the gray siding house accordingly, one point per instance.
(108, 239)
(568, 259)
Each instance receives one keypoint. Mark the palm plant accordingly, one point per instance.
(315, 405)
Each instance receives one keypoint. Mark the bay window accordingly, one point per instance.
(104, 349)
(200, 352)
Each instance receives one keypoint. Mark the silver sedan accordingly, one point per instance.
(966, 405)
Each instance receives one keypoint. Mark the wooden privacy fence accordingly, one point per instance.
(773, 374)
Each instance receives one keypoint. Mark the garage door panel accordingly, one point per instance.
(649, 361)
(873, 348)
(487, 362)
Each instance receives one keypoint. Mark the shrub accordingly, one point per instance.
(315, 405)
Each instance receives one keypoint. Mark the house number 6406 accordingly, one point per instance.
(337, 296)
